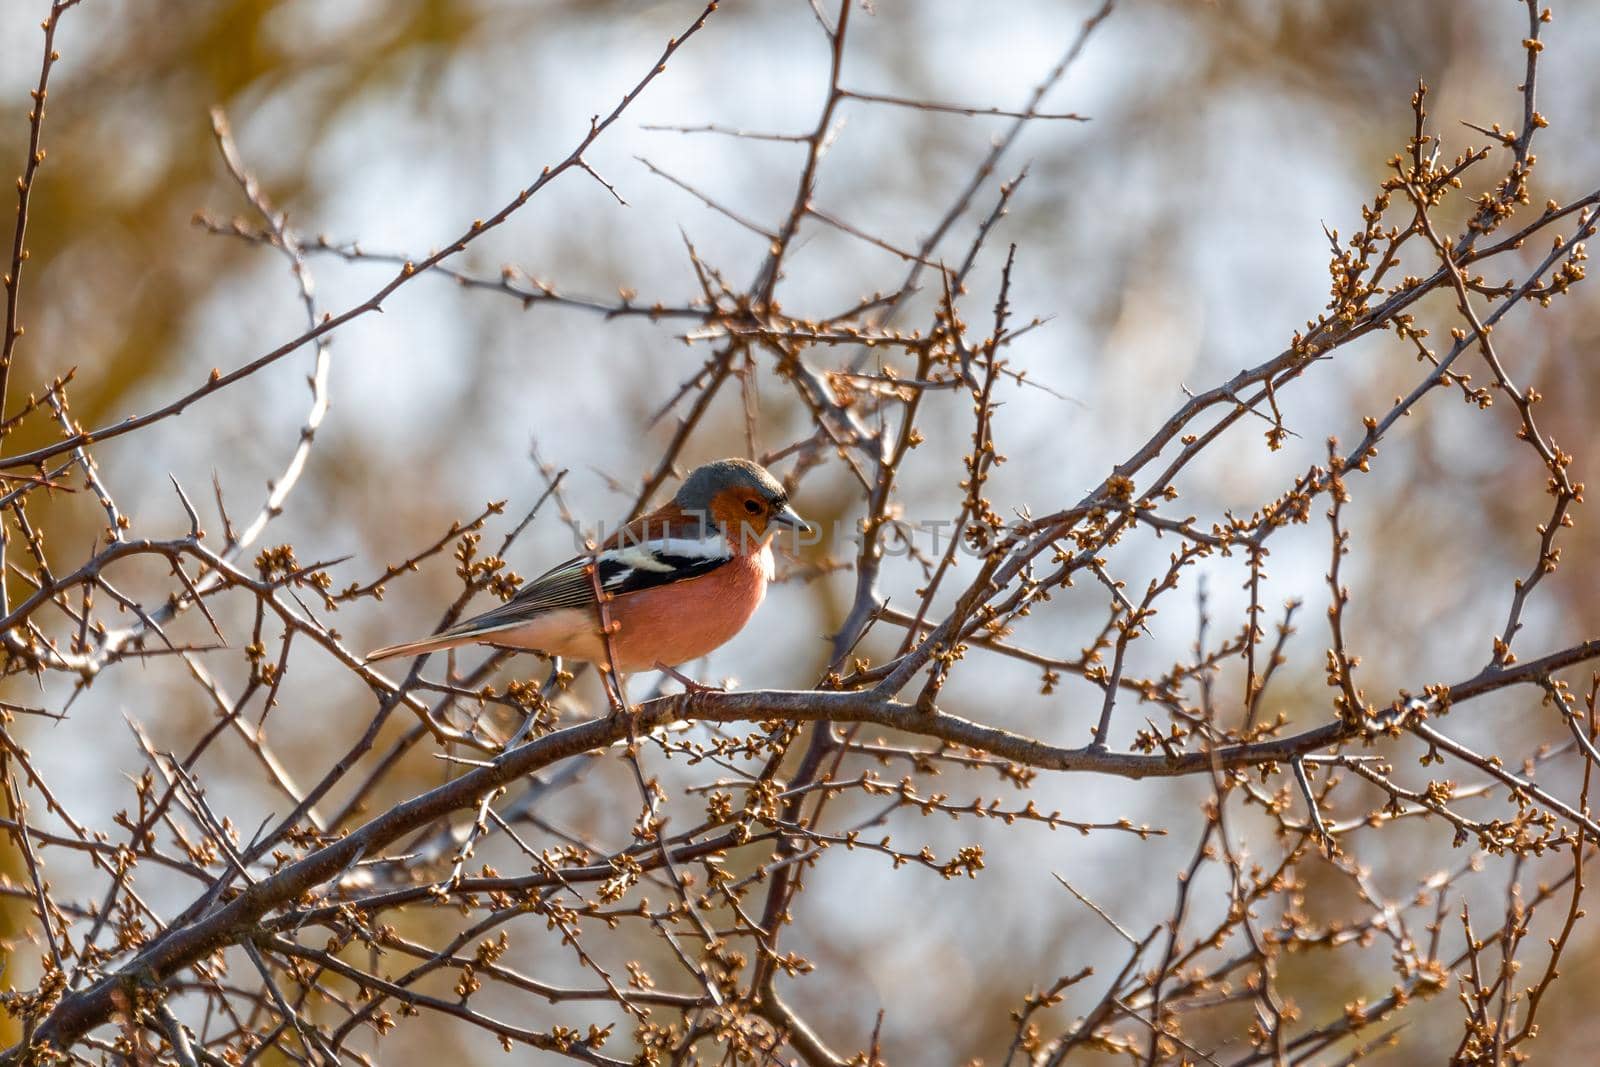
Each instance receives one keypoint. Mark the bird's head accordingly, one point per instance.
(741, 499)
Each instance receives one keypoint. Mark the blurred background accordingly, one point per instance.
(1170, 241)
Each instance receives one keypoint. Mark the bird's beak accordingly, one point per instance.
(787, 516)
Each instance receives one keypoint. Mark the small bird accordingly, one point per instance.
(678, 582)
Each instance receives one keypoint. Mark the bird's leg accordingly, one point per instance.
(689, 683)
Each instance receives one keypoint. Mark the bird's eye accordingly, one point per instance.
(752, 507)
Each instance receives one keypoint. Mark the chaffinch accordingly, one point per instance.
(678, 582)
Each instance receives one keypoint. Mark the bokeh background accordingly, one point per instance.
(1172, 239)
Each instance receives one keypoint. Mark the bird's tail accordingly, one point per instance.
(462, 633)
(447, 639)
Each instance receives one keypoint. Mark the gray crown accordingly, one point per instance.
(708, 480)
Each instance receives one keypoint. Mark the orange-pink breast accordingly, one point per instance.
(673, 624)
(665, 624)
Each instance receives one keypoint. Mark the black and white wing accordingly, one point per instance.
(626, 566)
(624, 569)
